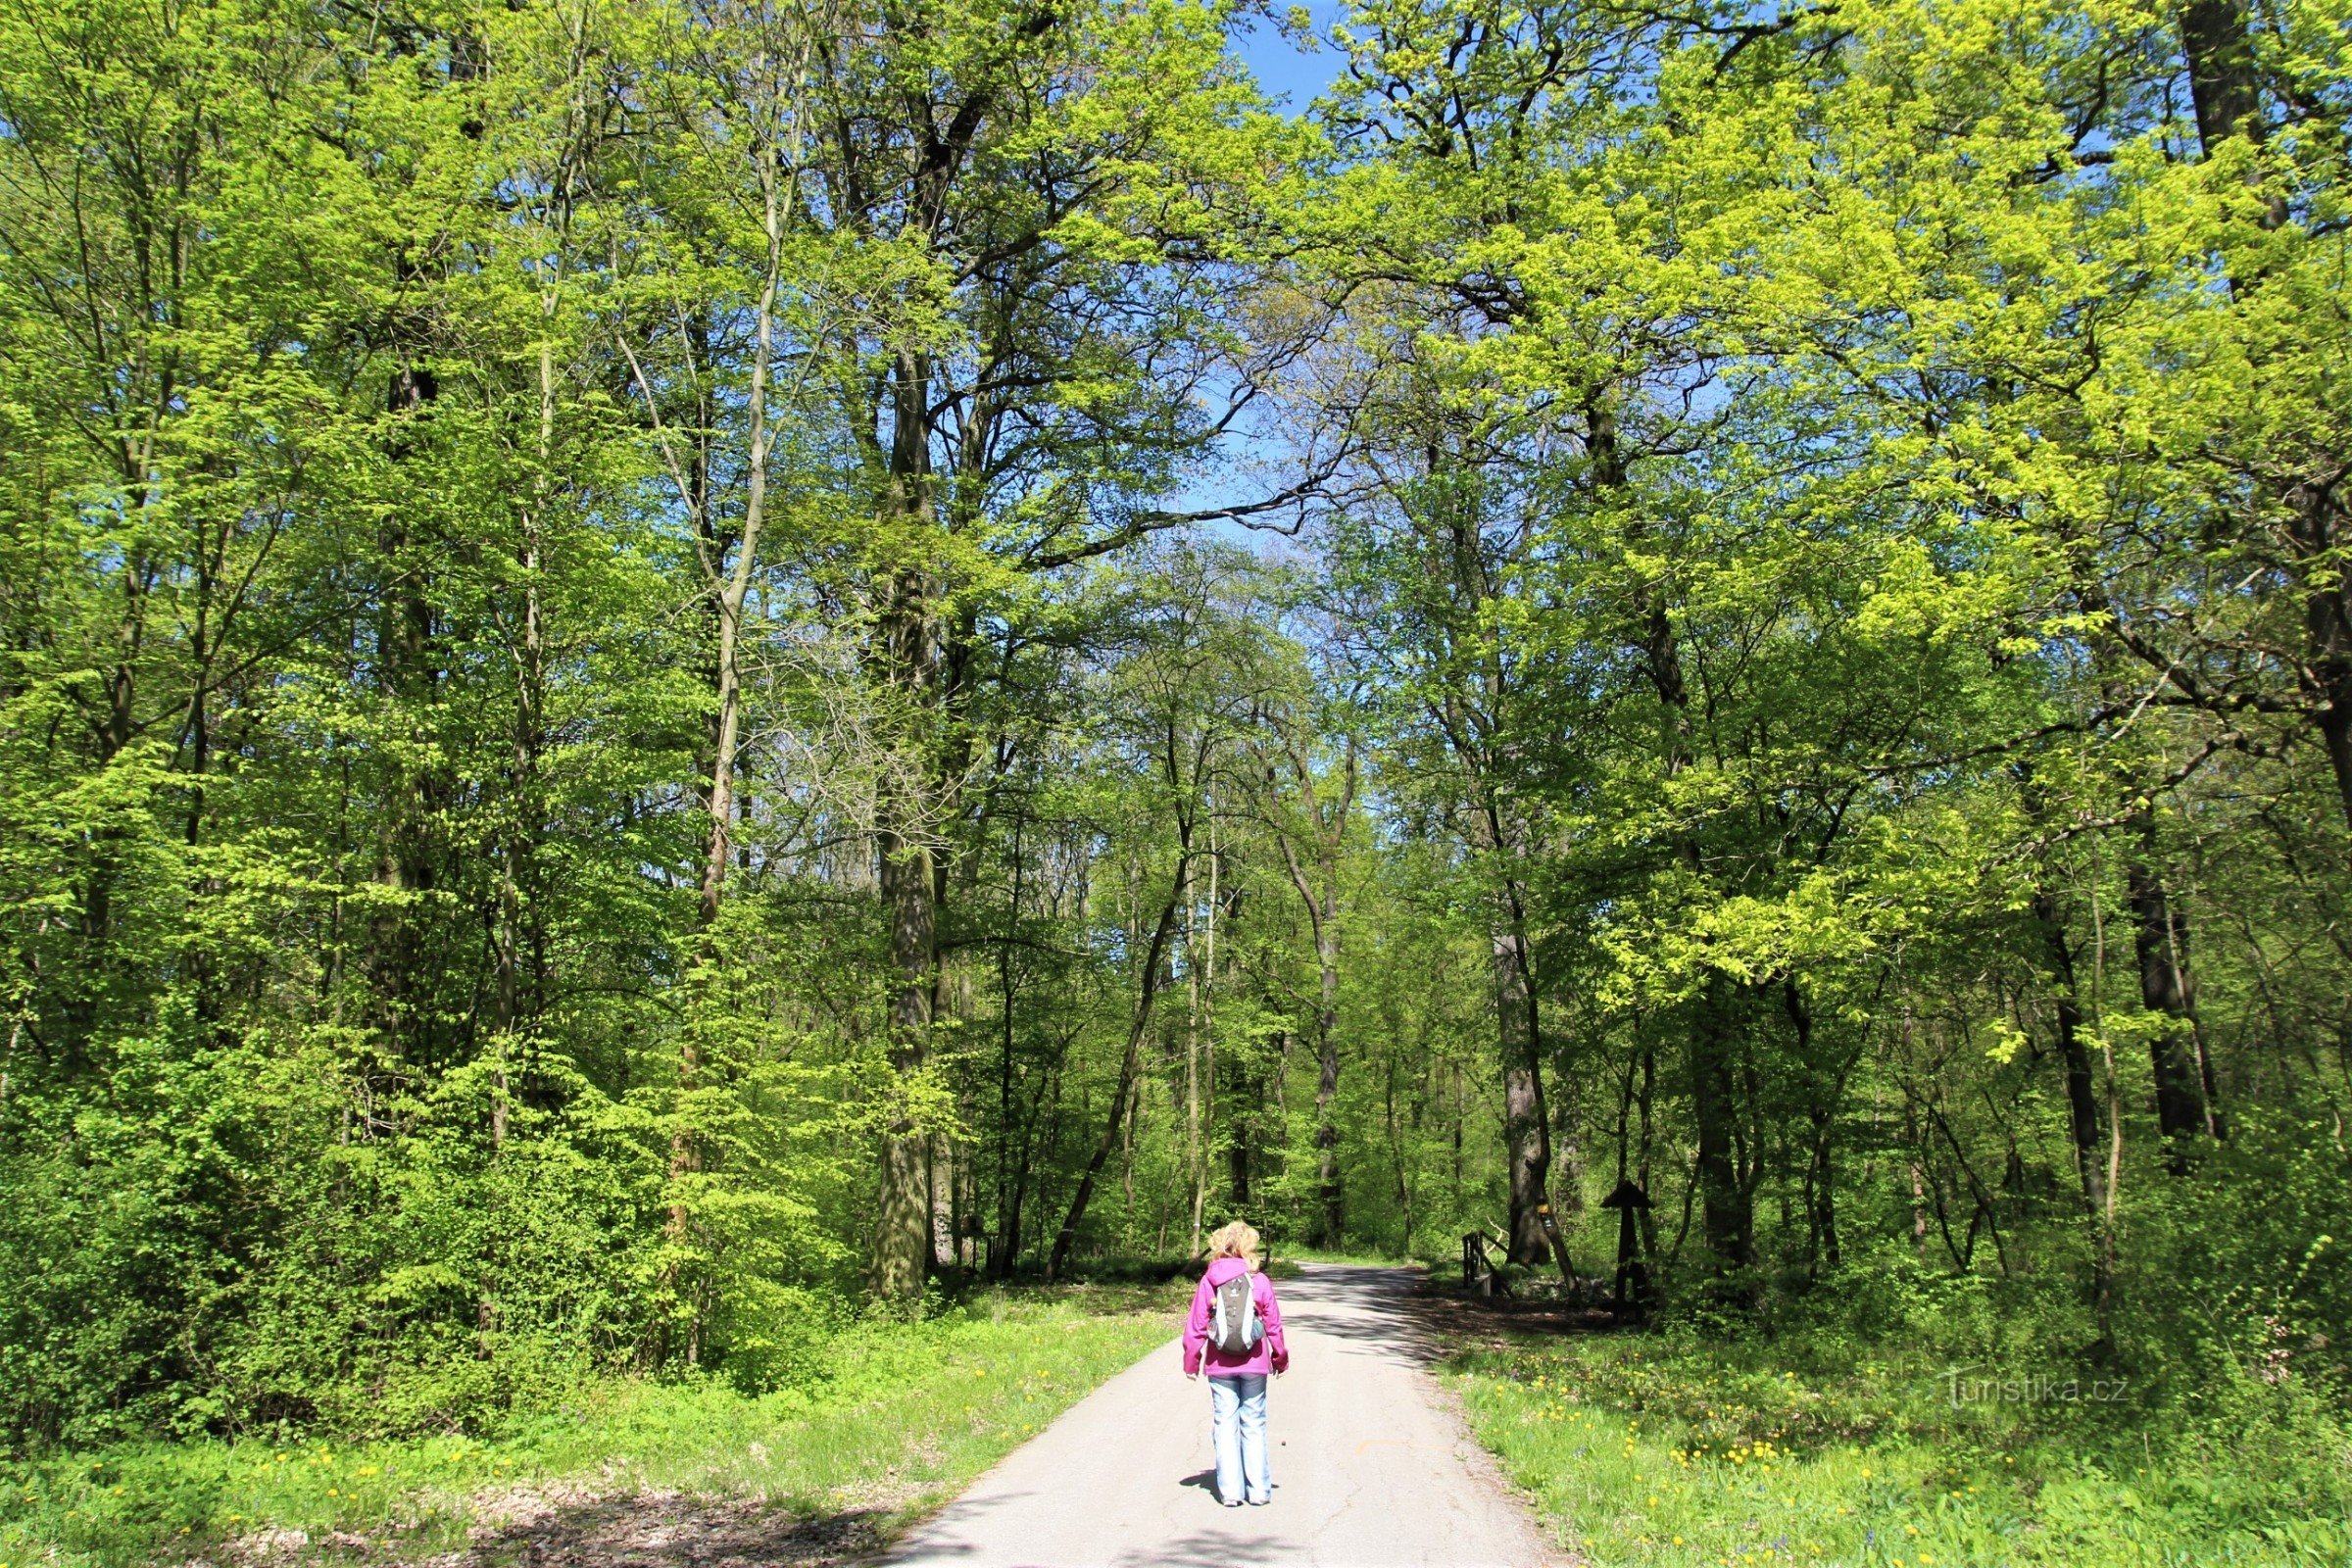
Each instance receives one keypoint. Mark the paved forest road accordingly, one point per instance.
(1370, 1469)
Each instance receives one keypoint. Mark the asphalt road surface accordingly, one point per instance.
(1371, 1467)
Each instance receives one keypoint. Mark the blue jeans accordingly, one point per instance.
(1236, 1415)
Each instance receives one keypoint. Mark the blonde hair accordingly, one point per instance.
(1237, 1239)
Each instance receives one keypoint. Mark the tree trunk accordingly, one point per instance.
(1821, 1184)
(406, 674)
(910, 656)
(902, 1233)
(1727, 1215)
(1011, 1135)
(1331, 1221)
(1067, 1235)
(1196, 1159)
(729, 585)
(1727, 1223)
(2160, 942)
(2318, 546)
(2083, 1107)
(1330, 829)
(1526, 1138)
(2221, 81)
(943, 1203)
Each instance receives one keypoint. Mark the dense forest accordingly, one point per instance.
(675, 669)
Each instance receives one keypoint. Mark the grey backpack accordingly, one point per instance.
(1234, 1328)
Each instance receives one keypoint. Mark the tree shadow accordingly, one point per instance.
(668, 1529)
(1373, 1307)
(1206, 1549)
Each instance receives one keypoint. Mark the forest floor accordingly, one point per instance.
(626, 1474)
(1649, 1450)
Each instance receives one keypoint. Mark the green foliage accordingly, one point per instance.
(1930, 1445)
(633, 706)
(933, 1404)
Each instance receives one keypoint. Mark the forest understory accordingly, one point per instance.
(703, 703)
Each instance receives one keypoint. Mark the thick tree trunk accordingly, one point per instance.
(1519, 1042)
(2221, 81)
(2225, 87)
(901, 1231)
(1727, 1214)
(1526, 1138)
(909, 660)
(2317, 545)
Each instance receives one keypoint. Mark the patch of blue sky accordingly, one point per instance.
(1289, 74)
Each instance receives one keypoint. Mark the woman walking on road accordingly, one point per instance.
(1233, 1332)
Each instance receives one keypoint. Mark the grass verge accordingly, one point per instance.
(1647, 1451)
(1355, 1258)
(896, 1418)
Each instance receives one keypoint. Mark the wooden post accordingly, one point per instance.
(1633, 1278)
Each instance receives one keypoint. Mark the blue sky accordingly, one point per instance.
(1287, 75)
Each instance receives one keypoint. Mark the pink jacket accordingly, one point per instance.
(1269, 1354)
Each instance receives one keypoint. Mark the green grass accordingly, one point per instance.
(1655, 1449)
(899, 1418)
(1357, 1257)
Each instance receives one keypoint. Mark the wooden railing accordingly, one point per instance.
(1478, 1268)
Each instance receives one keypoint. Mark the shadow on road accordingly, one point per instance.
(665, 1530)
(1206, 1549)
(1372, 1306)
